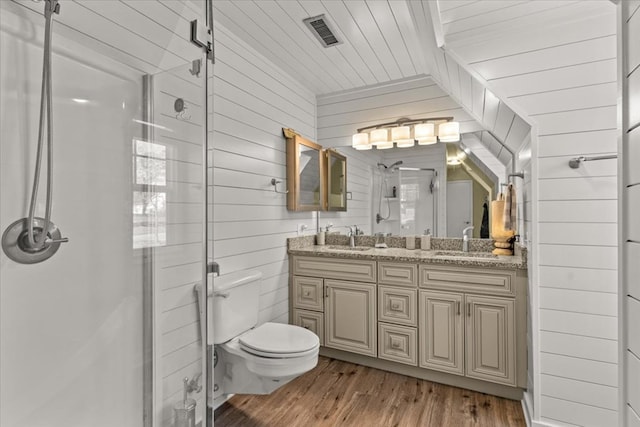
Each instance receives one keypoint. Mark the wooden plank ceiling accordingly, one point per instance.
(382, 42)
(379, 40)
(394, 40)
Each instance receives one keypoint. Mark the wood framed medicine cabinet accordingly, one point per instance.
(306, 174)
(336, 181)
(316, 178)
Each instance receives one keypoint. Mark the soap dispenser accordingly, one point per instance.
(425, 240)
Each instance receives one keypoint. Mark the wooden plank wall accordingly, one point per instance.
(564, 80)
(253, 99)
(630, 206)
(341, 114)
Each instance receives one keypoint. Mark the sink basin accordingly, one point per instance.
(461, 254)
(347, 248)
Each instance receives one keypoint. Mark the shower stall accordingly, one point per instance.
(104, 331)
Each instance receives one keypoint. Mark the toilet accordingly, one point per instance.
(256, 359)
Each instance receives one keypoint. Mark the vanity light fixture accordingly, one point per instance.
(406, 132)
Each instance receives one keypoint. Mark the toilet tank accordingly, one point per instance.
(235, 304)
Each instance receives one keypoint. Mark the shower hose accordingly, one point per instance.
(37, 242)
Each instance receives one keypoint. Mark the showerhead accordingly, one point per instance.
(382, 164)
(398, 163)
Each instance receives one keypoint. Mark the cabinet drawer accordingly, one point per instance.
(357, 270)
(476, 280)
(308, 293)
(397, 305)
(398, 344)
(310, 320)
(397, 274)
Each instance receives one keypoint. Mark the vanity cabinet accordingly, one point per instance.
(461, 325)
(466, 332)
(490, 339)
(441, 331)
(336, 299)
(398, 312)
(350, 316)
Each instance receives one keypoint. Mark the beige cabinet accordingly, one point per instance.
(307, 296)
(469, 335)
(491, 341)
(441, 331)
(350, 316)
(308, 293)
(397, 343)
(465, 321)
(397, 305)
(311, 320)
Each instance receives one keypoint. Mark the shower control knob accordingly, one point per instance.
(49, 241)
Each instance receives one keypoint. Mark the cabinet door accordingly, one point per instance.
(491, 354)
(311, 320)
(350, 316)
(441, 331)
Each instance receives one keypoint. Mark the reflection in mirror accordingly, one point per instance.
(406, 200)
(309, 175)
(337, 181)
(420, 200)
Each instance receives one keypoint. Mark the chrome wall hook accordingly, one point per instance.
(275, 183)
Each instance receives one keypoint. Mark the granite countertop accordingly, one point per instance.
(444, 251)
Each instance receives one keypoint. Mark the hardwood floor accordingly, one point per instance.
(338, 393)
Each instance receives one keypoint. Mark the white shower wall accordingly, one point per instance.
(71, 327)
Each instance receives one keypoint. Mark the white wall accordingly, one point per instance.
(342, 113)
(630, 209)
(563, 80)
(249, 223)
(70, 327)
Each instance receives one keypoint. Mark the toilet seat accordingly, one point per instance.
(278, 340)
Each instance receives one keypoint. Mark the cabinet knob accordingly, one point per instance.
(306, 293)
(395, 306)
(395, 344)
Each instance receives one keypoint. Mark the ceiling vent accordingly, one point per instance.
(322, 30)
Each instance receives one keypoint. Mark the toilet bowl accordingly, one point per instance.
(255, 359)
(267, 357)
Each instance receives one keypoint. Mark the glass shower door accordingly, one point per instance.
(103, 333)
(168, 229)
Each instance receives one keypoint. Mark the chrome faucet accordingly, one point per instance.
(353, 230)
(465, 239)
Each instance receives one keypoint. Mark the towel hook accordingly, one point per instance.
(275, 183)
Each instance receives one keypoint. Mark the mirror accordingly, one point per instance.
(305, 174)
(422, 183)
(336, 181)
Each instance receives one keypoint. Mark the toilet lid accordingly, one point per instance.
(279, 339)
